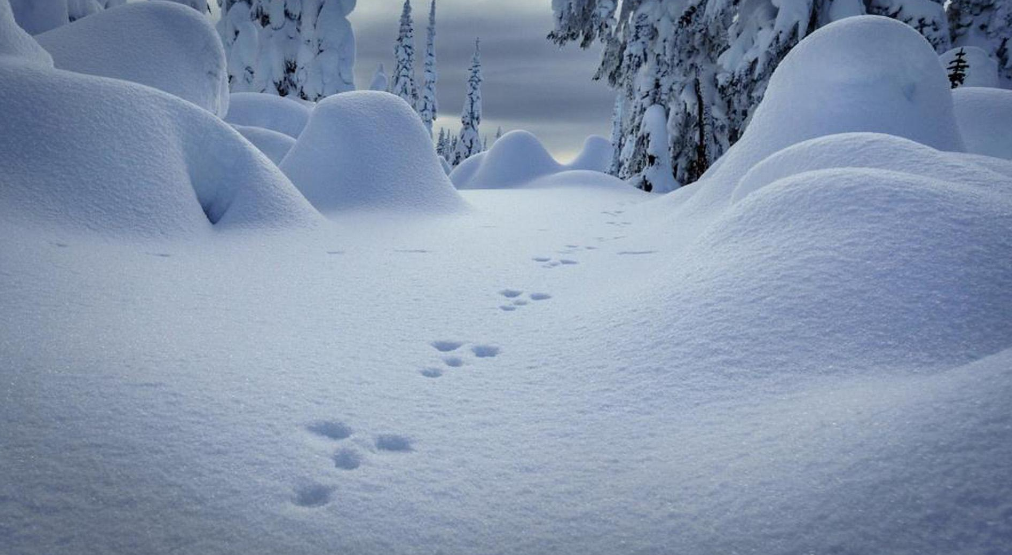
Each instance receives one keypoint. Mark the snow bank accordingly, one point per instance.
(983, 70)
(864, 73)
(275, 145)
(368, 149)
(595, 156)
(518, 157)
(867, 150)
(269, 111)
(39, 16)
(163, 45)
(985, 120)
(88, 153)
(16, 44)
(856, 268)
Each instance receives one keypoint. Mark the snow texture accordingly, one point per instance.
(39, 16)
(983, 70)
(275, 145)
(985, 120)
(16, 45)
(516, 158)
(163, 45)
(595, 156)
(269, 111)
(369, 150)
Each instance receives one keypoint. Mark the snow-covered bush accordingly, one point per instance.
(985, 120)
(982, 70)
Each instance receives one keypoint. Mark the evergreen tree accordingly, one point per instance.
(428, 107)
(986, 24)
(441, 143)
(498, 134)
(957, 69)
(404, 54)
(379, 80)
(469, 141)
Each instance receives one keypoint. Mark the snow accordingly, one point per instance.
(983, 70)
(16, 45)
(39, 16)
(163, 45)
(985, 120)
(369, 150)
(275, 145)
(816, 359)
(269, 111)
(595, 156)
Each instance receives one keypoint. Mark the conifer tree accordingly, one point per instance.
(957, 69)
(469, 141)
(428, 107)
(379, 80)
(404, 53)
(986, 24)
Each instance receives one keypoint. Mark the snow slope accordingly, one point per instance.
(368, 150)
(275, 145)
(269, 111)
(985, 120)
(163, 45)
(983, 70)
(16, 45)
(595, 155)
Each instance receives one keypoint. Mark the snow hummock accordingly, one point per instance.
(369, 150)
(16, 44)
(982, 70)
(269, 111)
(275, 145)
(595, 156)
(163, 45)
(985, 120)
(516, 158)
(92, 154)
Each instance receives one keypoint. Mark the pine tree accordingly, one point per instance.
(404, 53)
(957, 69)
(498, 134)
(441, 143)
(428, 107)
(469, 141)
(379, 80)
(986, 24)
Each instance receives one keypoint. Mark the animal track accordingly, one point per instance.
(453, 362)
(567, 261)
(447, 346)
(507, 308)
(330, 429)
(335, 252)
(432, 372)
(312, 495)
(540, 296)
(628, 253)
(485, 351)
(393, 442)
(511, 293)
(347, 459)
(412, 251)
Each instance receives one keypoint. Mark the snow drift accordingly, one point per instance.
(982, 70)
(985, 120)
(369, 150)
(516, 158)
(864, 73)
(163, 45)
(595, 156)
(275, 145)
(87, 153)
(16, 45)
(268, 111)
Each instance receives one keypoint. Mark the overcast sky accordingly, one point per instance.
(529, 82)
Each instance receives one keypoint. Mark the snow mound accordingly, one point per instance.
(866, 73)
(517, 158)
(163, 45)
(866, 150)
(857, 268)
(983, 70)
(87, 153)
(269, 111)
(369, 149)
(595, 156)
(985, 119)
(16, 44)
(582, 178)
(275, 145)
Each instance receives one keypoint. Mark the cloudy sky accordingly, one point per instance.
(529, 82)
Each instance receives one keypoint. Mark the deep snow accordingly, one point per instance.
(806, 352)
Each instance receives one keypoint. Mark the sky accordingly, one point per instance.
(529, 82)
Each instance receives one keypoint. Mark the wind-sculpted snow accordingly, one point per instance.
(275, 145)
(94, 154)
(163, 45)
(368, 150)
(595, 156)
(16, 44)
(985, 120)
(269, 111)
(982, 70)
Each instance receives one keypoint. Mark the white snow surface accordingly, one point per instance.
(816, 360)
(369, 150)
(269, 111)
(16, 44)
(595, 155)
(275, 145)
(985, 120)
(163, 45)
(983, 70)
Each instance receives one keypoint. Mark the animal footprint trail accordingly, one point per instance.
(394, 443)
(485, 351)
(330, 429)
(312, 496)
(347, 459)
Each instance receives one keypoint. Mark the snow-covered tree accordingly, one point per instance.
(441, 146)
(404, 53)
(304, 48)
(927, 16)
(379, 80)
(986, 24)
(957, 69)
(469, 141)
(428, 106)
